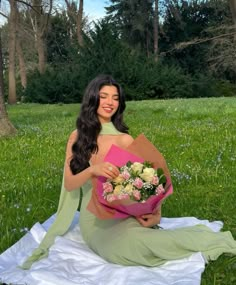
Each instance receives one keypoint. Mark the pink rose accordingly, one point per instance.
(155, 180)
(136, 194)
(123, 196)
(160, 189)
(125, 174)
(138, 183)
(107, 187)
(111, 197)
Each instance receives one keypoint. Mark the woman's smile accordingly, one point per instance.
(108, 109)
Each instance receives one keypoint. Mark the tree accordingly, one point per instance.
(232, 4)
(186, 22)
(19, 51)
(134, 21)
(222, 56)
(12, 49)
(6, 128)
(77, 17)
(16, 34)
(40, 13)
(79, 22)
(62, 44)
(155, 29)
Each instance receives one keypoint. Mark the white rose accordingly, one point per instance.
(147, 174)
(129, 189)
(137, 167)
(118, 180)
(118, 190)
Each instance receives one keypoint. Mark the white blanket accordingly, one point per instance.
(70, 261)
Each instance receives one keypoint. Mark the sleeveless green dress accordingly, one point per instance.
(125, 241)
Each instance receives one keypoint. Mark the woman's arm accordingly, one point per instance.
(71, 181)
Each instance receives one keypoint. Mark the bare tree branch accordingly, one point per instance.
(4, 15)
(196, 41)
(48, 16)
(70, 10)
(29, 5)
(67, 3)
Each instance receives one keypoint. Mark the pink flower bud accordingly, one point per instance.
(155, 180)
(123, 196)
(136, 195)
(107, 187)
(125, 174)
(111, 197)
(138, 183)
(160, 190)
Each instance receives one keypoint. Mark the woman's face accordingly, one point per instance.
(108, 103)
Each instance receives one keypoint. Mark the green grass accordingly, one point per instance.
(196, 136)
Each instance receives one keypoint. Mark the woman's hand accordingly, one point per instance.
(150, 220)
(105, 169)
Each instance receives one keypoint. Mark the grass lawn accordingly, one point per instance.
(196, 136)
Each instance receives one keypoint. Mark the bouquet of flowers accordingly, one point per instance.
(144, 182)
(136, 181)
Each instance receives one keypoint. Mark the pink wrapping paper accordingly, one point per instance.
(126, 208)
(139, 151)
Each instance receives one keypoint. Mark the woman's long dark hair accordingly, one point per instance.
(88, 125)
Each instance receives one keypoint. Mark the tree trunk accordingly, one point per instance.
(20, 53)
(12, 50)
(147, 44)
(155, 23)
(71, 15)
(6, 128)
(76, 16)
(232, 4)
(40, 26)
(79, 22)
(41, 53)
(22, 66)
(39, 34)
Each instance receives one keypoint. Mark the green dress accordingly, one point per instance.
(125, 241)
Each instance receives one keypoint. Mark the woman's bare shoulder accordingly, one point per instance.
(73, 136)
(125, 140)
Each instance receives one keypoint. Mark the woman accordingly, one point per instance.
(103, 104)
(129, 241)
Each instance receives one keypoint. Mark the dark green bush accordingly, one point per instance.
(205, 85)
(225, 88)
(58, 84)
